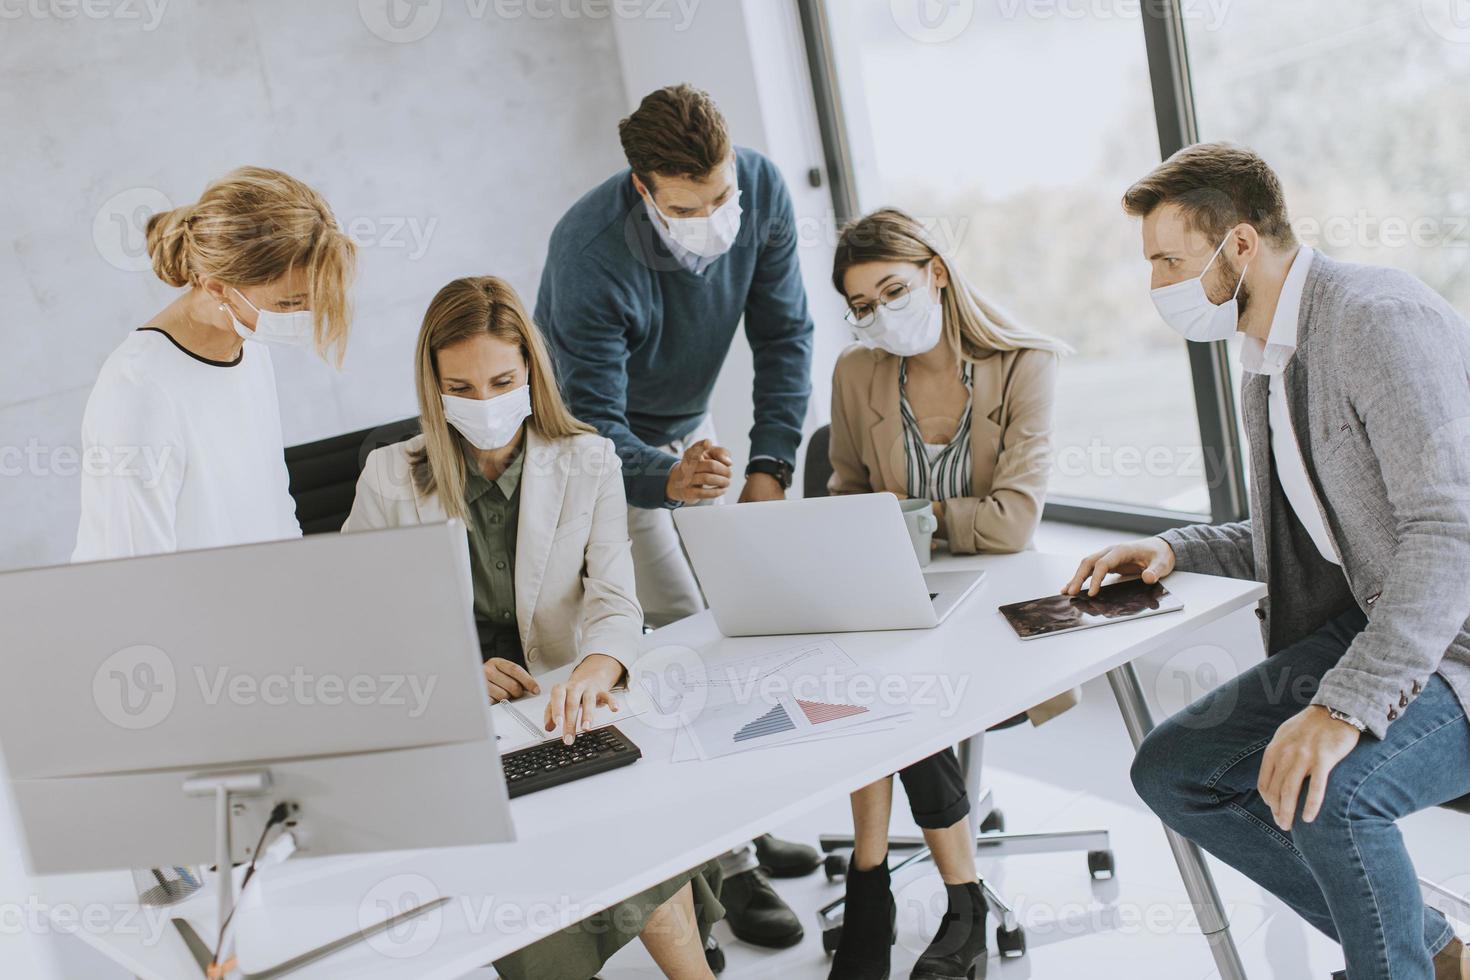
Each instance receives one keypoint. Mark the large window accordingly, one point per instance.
(1357, 105)
(1361, 107)
(1012, 130)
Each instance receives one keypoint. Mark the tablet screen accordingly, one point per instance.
(1115, 603)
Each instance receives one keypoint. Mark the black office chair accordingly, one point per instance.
(991, 838)
(1452, 903)
(324, 473)
(818, 469)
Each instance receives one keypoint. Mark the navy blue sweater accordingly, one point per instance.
(639, 340)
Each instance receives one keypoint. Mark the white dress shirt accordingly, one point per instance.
(1270, 358)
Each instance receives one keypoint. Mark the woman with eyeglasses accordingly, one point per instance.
(943, 398)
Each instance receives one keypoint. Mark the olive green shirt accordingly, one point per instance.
(494, 507)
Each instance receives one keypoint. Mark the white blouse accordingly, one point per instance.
(180, 452)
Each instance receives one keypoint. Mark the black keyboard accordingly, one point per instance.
(553, 763)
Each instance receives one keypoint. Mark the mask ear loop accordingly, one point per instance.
(1218, 249)
(1238, 283)
(225, 308)
(928, 279)
(256, 309)
(1241, 281)
(228, 311)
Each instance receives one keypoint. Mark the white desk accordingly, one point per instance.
(589, 844)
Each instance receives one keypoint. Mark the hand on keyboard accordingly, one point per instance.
(573, 704)
(553, 763)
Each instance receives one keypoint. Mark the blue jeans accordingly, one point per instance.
(1347, 873)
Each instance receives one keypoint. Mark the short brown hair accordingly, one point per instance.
(676, 131)
(1216, 186)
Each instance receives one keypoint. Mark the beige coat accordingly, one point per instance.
(1010, 442)
(1010, 450)
(573, 564)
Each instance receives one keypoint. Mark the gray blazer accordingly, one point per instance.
(1379, 396)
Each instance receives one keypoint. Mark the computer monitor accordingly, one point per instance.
(346, 667)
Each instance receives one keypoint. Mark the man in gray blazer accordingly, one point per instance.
(1356, 402)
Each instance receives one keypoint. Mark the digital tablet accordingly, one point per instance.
(1115, 603)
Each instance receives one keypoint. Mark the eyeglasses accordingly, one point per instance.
(894, 296)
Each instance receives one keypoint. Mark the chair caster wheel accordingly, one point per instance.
(831, 939)
(1010, 942)
(1100, 864)
(994, 822)
(835, 866)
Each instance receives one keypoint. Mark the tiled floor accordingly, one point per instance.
(1072, 772)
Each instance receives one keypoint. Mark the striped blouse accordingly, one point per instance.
(945, 471)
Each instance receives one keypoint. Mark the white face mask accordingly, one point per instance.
(908, 332)
(489, 423)
(1187, 309)
(294, 329)
(709, 236)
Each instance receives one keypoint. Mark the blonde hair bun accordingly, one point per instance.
(167, 248)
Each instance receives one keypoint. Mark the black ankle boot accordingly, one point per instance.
(867, 926)
(959, 946)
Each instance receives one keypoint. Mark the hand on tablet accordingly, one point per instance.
(1149, 558)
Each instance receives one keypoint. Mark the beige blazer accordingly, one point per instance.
(574, 562)
(1010, 442)
(1010, 451)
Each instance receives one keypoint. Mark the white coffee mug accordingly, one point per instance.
(918, 515)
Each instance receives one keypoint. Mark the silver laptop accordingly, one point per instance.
(818, 565)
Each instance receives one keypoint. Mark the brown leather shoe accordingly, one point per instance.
(1447, 962)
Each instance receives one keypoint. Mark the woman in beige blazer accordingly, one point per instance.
(942, 398)
(541, 495)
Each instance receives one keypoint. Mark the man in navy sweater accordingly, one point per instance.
(647, 278)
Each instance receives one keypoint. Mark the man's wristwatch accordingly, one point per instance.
(1345, 717)
(779, 468)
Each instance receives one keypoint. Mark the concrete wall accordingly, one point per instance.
(447, 135)
(448, 139)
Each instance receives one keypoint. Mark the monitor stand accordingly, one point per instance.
(225, 787)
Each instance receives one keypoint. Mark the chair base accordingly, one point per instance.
(1010, 937)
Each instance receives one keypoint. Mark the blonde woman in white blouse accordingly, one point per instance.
(182, 432)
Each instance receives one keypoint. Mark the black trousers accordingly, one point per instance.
(936, 790)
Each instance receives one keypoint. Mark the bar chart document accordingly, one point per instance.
(792, 694)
